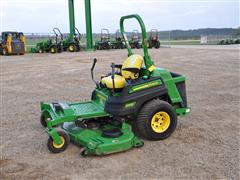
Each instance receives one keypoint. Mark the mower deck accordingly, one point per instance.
(96, 143)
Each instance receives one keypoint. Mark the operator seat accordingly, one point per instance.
(129, 70)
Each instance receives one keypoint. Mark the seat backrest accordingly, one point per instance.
(131, 66)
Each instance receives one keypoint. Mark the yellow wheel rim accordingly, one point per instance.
(57, 146)
(160, 122)
(71, 48)
(52, 50)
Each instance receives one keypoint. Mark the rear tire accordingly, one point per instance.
(72, 48)
(157, 46)
(53, 49)
(55, 148)
(156, 120)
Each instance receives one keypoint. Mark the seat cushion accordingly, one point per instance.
(119, 81)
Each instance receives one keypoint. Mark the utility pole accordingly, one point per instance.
(88, 19)
(71, 18)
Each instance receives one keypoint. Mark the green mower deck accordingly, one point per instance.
(95, 143)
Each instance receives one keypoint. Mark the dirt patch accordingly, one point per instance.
(4, 162)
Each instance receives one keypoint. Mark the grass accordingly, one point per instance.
(181, 42)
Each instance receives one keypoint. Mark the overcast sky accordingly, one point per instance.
(42, 15)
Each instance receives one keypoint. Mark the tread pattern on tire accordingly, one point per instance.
(143, 115)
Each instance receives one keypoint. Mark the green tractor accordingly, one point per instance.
(104, 43)
(73, 45)
(51, 45)
(135, 40)
(153, 40)
(119, 42)
(136, 94)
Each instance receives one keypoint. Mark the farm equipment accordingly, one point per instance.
(73, 45)
(119, 42)
(12, 43)
(136, 94)
(135, 40)
(229, 41)
(153, 40)
(104, 43)
(50, 45)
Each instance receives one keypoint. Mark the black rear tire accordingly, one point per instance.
(59, 148)
(157, 46)
(144, 123)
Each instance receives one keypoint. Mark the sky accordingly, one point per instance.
(40, 16)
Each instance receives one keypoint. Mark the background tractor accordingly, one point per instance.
(135, 40)
(12, 43)
(104, 43)
(52, 45)
(119, 42)
(73, 45)
(153, 40)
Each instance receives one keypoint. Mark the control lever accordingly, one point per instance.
(113, 71)
(93, 65)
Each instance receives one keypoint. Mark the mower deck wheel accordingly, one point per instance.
(57, 148)
(156, 120)
(84, 152)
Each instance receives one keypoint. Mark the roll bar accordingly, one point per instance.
(107, 33)
(147, 59)
(79, 34)
(59, 32)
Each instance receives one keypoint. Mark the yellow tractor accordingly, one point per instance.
(12, 43)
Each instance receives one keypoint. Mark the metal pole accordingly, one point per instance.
(88, 20)
(71, 18)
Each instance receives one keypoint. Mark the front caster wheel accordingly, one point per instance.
(157, 120)
(57, 148)
(84, 152)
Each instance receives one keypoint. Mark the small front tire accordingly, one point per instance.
(57, 148)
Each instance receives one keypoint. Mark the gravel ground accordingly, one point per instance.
(205, 144)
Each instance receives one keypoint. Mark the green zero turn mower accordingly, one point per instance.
(73, 45)
(119, 42)
(104, 43)
(153, 40)
(51, 45)
(135, 40)
(136, 94)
